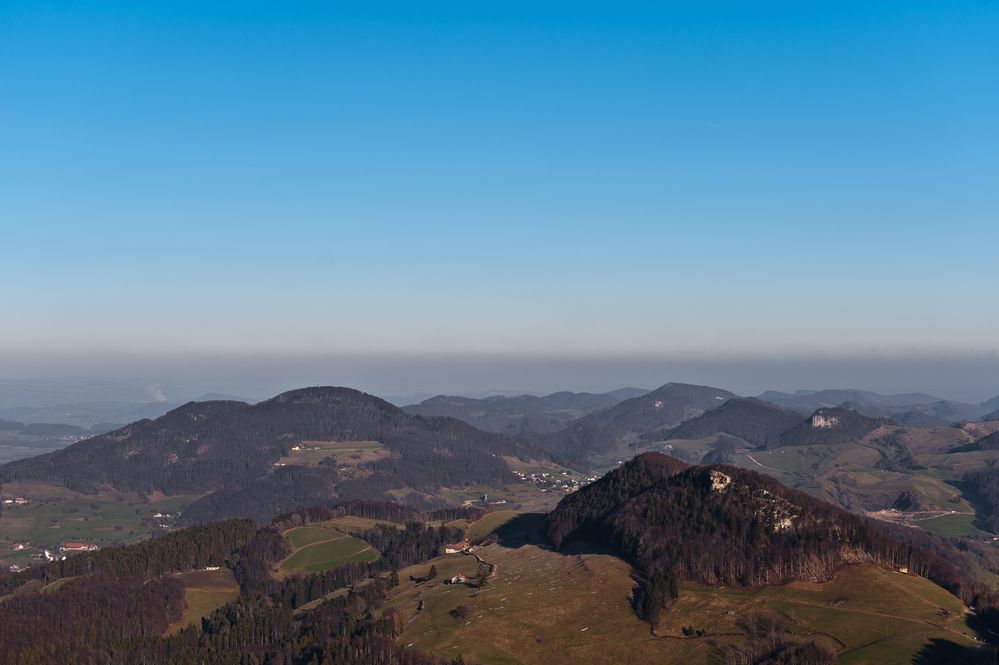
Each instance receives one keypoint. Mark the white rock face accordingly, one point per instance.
(659, 404)
(719, 481)
(783, 524)
(822, 421)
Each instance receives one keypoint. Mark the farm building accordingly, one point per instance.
(457, 579)
(78, 547)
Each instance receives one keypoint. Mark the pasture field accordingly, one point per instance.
(952, 526)
(323, 547)
(57, 514)
(301, 536)
(345, 453)
(354, 525)
(524, 494)
(488, 523)
(955, 465)
(547, 607)
(204, 592)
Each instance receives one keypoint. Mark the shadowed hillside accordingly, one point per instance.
(749, 419)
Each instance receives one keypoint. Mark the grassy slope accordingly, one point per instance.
(306, 535)
(322, 547)
(488, 523)
(544, 607)
(356, 525)
(205, 591)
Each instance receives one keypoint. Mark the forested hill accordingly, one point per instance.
(116, 606)
(832, 426)
(722, 525)
(749, 419)
(521, 415)
(664, 407)
(232, 447)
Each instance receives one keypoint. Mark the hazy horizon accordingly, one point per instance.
(969, 379)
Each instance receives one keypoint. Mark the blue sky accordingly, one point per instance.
(499, 178)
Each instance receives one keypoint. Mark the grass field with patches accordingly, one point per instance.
(546, 607)
(204, 592)
(323, 547)
(301, 536)
(357, 525)
(951, 526)
(488, 523)
(56, 514)
(349, 453)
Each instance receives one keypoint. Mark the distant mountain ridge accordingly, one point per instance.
(667, 406)
(521, 415)
(914, 409)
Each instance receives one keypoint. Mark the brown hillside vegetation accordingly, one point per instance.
(544, 607)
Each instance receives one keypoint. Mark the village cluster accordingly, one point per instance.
(46, 554)
(555, 482)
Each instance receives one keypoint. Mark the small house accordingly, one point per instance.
(457, 579)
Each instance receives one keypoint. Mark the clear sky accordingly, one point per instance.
(457, 179)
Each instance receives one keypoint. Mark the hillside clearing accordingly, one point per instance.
(204, 592)
(320, 547)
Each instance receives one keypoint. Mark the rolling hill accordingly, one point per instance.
(522, 415)
(231, 451)
(911, 409)
(985, 443)
(750, 419)
(832, 426)
(722, 525)
(601, 432)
